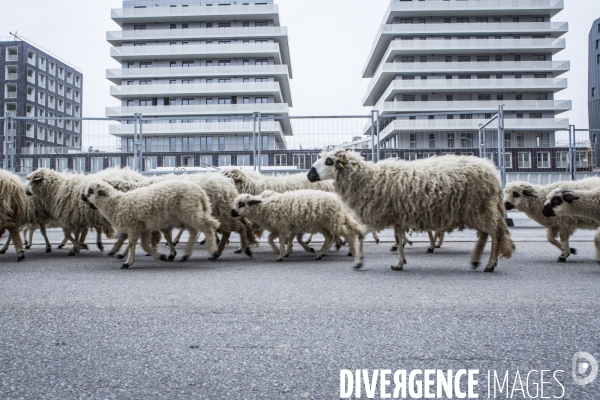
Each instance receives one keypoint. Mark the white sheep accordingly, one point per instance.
(159, 206)
(530, 199)
(435, 194)
(575, 203)
(305, 211)
(12, 209)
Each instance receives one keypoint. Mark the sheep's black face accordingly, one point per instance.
(313, 175)
(234, 213)
(548, 210)
(28, 192)
(508, 205)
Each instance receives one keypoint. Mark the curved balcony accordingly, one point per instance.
(455, 46)
(198, 89)
(388, 71)
(212, 110)
(278, 72)
(196, 13)
(196, 51)
(399, 107)
(233, 127)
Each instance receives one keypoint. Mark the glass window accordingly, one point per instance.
(243, 160)
(222, 146)
(169, 161)
(543, 159)
(224, 160)
(524, 160)
(281, 160)
(97, 164)
(79, 164)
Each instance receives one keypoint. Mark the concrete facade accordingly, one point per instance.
(594, 85)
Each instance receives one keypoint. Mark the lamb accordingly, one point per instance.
(254, 183)
(57, 197)
(530, 199)
(576, 203)
(159, 206)
(435, 194)
(12, 209)
(289, 214)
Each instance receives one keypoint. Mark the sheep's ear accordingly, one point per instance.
(253, 202)
(569, 198)
(529, 193)
(37, 179)
(339, 165)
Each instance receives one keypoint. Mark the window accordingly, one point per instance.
(224, 160)
(519, 97)
(139, 27)
(535, 115)
(593, 92)
(432, 140)
(543, 159)
(147, 145)
(517, 57)
(261, 100)
(464, 77)
(206, 143)
(261, 62)
(448, 58)
(281, 160)
(410, 156)
(449, 97)
(543, 139)
(519, 115)
(483, 77)
(173, 26)
(422, 58)
(79, 164)
(507, 139)
(187, 161)
(413, 140)
(539, 76)
(243, 160)
(406, 59)
(62, 164)
(466, 140)
(483, 58)
(508, 160)
(408, 97)
(188, 144)
(484, 97)
(524, 160)
(169, 161)
(465, 97)
(172, 144)
(224, 63)
(97, 164)
(462, 20)
(562, 159)
(520, 140)
(424, 97)
(498, 58)
(539, 57)
(26, 165)
(464, 58)
(221, 143)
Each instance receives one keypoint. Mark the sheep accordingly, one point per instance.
(254, 183)
(435, 194)
(12, 209)
(159, 206)
(530, 199)
(289, 214)
(57, 197)
(576, 203)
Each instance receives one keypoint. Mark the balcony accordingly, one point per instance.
(198, 89)
(470, 124)
(406, 9)
(398, 107)
(50, 150)
(279, 72)
(213, 110)
(388, 71)
(195, 51)
(471, 85)
(467, 46)
(235, 127)
(196, 13)
(276, 33)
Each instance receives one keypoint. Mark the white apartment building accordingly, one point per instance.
(442, 68)
(197, 71)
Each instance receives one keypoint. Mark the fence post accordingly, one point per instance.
(373, 159)
(6, 143)
(259, 136)
(139, 147)
(378, 138)
(135, 132)
(572, 152)
(11, 141)
(501, 149)
(254, 144)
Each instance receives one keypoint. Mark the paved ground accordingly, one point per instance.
(240, 328)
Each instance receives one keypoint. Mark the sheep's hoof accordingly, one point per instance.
(490, 269)
(27, 247)
(125, 266)
(311, 250)
(394, 248)
(214, 257)
(71, 254)
(203, 241)
(573, 251)
(338, 246)
(2, 251)
(171, 257)
(376, 241)
(350, 255)
(358, 266)
(320, 257)
(279, 260)
(397, 268)
(112, 253)
(598, 262)
(308, 241)
(185, 258)
(48, 249)
(429, 250)
(100, 246)
(164, 258)
(26, 243)
(84, 247)
(248, 252)
(561, 259)
(438, 247)
(21, 257)
(60, 246)
(239, 251)
(147, 255)
(175, 242)
(120, 256)
(410, 243)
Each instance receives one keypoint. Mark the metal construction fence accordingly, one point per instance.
(286, 144)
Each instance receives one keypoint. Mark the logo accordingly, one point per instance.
(585, 368)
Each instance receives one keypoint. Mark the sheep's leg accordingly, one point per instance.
(118, 244)
(14, 232)
(167, 233)
(439, 239)
(245, 247)
(133, 239)
(210, 234)
(399, 231)
(304, 245)
(25, 232)
(310, 237)
(479, 246)
(178, 237)
(99, 238)
(224, 241)
(5, 247)
(289, 241)
(45, 235)
(147, 246)
(74, 238)
(565, 249)
(375, 237)
(272, 236)
(83, 235)
(493, 262)
(431, 242)
(597, 245)
(282, 248)
(64, 241)
(551, 235)
(395, 246)
(329, 239)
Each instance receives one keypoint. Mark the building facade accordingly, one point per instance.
(38, 84)
(439, 69)
(198, 71)
(594, 86)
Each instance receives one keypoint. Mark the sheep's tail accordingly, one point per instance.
(507, 247)
(109, 231)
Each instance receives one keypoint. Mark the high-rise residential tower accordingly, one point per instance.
(441, 68)
(594, 85)
(200, 68)
(37, 83)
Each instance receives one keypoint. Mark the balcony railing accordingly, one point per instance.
(236, 127)
(204, 33)
(489, 6)
(478, 27)
(194, 51)
(232, 88)
(210, 110)
(50, 150)
(12, 57)
(441, 106)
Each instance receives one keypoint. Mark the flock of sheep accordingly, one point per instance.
(343, 198)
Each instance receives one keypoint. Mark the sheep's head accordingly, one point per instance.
(243, 203)
(556, 202)
(516, 193)
(328, 165)
(38, 179)
(97, 193)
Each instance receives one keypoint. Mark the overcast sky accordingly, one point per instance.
(329, 40)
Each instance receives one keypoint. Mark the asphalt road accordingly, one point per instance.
(241, 328)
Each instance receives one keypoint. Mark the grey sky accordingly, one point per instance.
(329, 40)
